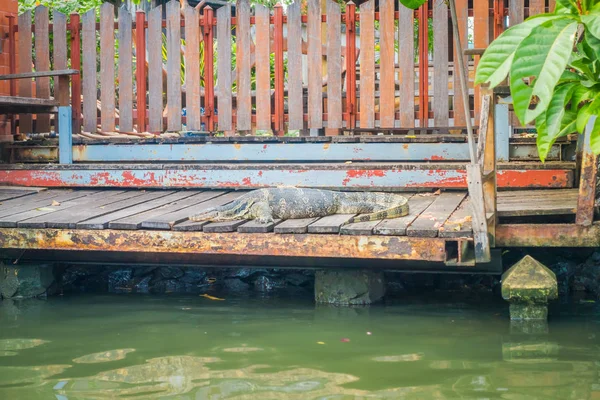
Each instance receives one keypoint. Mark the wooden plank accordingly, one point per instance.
(329, 224)
(173, 67)
(387, 64)
(295, 225)
(397, 226)
(224, 97)
(223, 227)
(104, 221)
(551, 5)
(367, 64)
(46, 199)
(255, 227)
(125, 70)
(107, 67)
(36, 218)
(244, 101)
(42, 63)
(359, 228)
(263, 70)
(334, 65)
(7, 194)
(59, 41)
(459, 110)
(460, 222)
(428, 223)
(481, 22)
(37, 74)
(88, 34)
(155, 64)
(191, 226)
(27, 101)
(294, 54)
(314, 59)
(192, 68)
(536, 7)
(440, 64)
(152, 216)
(406, 56)
(24, 66)
(516, 12)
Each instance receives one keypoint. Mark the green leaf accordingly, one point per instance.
(495, 62)
(569, 5)
(414, 4)
(595, 137)
(557, 108)
(586, 112)
(592, 23)
(570, 76)
(593, 43)
(543, 141)
(542, 56)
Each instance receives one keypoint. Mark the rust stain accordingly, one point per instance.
(326, 146)
(547, 235)
(237, 146)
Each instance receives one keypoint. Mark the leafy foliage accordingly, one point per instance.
(554, 65)
(64, 6)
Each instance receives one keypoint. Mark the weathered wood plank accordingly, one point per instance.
(155, 77)
(244, 101)
(255, 227)
(459, 109)
(481, 22)
(387, 64)
(551, 5)
(440, 64)
(45, 199)
(359, 228)
(329, 224)
(191, 226)
(42, 63)
(59, 41)
(294, 53)
(192, 68)
(516, 11)
(173, 66)
(459, 224)
(428, 223)
(222, 227)
(13, 194)
(24, 66)
(397, 226)
(367, 64)
(150, 203)
(27, 101)
(263, 70)
(295, 225)
(107, 67)
(37, 74)
(536, 7)
(125, 70)
(225, 102)
(153, 217)
(89, 78)
(406, 57)
(314, 60)
(334, 66)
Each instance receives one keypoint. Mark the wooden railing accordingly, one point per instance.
(357, 69)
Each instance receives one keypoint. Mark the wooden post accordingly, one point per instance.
(424, 65)
(12, 66)
(498, 17)
(140, 69)
(279, 84)
(587, 181)
(351, 65)
(76, 64)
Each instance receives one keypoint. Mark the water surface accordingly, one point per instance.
(277, 347)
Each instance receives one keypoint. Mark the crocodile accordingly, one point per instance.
(266, 205)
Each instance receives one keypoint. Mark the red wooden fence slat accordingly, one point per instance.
(24, 65)
(406, 57)
(209, 82)
(192, 67)
(424, 65)
(334, 65)
(386, 61)
(481, 23)
(42, 63)
(294, 53)
(107, 67)
(536, 7)
(140, 69)
(351, 104)
(440, 64)
(174, 67)
(155, 66)
(224, 67)
(516, 12)
(551, 5)
(59, 41)
(76, 79)
(315, 73)
(125, 71)
(459, 113)
(244, 101)
(367, 64)
(90, 79)
(278, 119)
(263, 72)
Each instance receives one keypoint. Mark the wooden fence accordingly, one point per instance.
(353, 67)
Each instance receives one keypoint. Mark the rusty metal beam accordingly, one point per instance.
(254, 244)
(547, 235)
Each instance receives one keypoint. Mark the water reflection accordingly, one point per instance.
(102, 357)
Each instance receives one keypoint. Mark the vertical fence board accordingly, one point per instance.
(90, 112)
(263, 72)
(24, 65)
(155, 65)
(59, 40)
(173, 65)
(76, 64)
(42, 63)
(406, 60)
(334, 65)
(192, 68)
(481, 22)
(387, 60)
(224, 67)
(551, 5)
(125, 71)
(459, 111)
(294, 33)
(244, 101)
(516, 12)
(367, 64)
(536, 7)
(140, 69)
(315, 72)
(440, 64)
(107, 67)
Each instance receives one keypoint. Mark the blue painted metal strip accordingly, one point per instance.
(502, 131)
(289, 152)
(65, 135)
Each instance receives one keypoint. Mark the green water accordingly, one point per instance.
(102, 347)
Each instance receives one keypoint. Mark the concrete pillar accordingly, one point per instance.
(25, 281)
(528, 286)
(349, 286)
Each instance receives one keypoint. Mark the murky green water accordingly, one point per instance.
(101, 347)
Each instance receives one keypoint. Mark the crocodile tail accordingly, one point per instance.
(394, 212)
